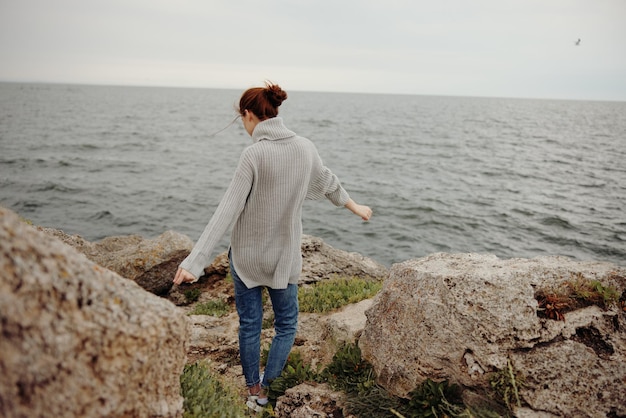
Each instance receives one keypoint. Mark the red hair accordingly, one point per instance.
(262, 101)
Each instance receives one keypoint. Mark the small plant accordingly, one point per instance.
(26, 220)
(268, 321)
(353, 375)
(205, 395)
(348, 371)
(506, 383)
(553, 305)
(265, 297)
(576, 293)
(593, 292)
(435, 399)
(216, 307)
(192, 295)
(294, 373)
(332, 294)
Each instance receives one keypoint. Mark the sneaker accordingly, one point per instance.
(257, 398)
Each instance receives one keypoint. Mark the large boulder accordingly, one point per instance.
(77, 339)
(152, 263)
(461, 317)
(321, 261)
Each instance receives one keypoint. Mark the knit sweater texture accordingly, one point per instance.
(264, 201)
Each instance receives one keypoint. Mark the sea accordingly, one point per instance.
(504, 176)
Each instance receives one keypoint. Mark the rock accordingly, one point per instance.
(321, 261)
(568, 379)
(158, 279)
(460, 317)
(530, 413)
(323, 334)
(310, 400)
(219, 267)
(75, 241)
(346, 325)
(78, 340)
(209, 331)
(211, 278)
(152, 263)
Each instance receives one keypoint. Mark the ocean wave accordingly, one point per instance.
(50, 186)
(101, 215)
(556, 221)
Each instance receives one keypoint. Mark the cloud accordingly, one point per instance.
(453, 47)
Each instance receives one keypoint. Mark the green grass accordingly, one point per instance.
(506, 384)
(216, 307)
(322, 297)
(594, 292)
(192, 295)
(348, 371)
(329, 295)
(296, 371)
(207, 396)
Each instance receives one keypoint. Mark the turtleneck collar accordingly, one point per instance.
(271, 129)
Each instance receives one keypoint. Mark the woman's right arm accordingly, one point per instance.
(225, 215)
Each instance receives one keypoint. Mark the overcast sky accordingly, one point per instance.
(501, 48)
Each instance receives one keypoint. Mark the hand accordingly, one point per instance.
(365, 212)
(183, 276)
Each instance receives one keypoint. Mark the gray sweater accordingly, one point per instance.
(264, 201)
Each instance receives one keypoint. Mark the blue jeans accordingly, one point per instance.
(250, 310)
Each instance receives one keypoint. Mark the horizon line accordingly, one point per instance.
(198, 87)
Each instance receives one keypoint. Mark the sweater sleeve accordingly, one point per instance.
(326, 184)
(225, 215)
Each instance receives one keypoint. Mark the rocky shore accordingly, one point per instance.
(84, 324)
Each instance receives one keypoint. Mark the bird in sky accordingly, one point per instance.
(577, 43)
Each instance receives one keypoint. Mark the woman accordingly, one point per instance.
(264, 201)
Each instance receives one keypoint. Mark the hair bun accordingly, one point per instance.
(274, 94)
